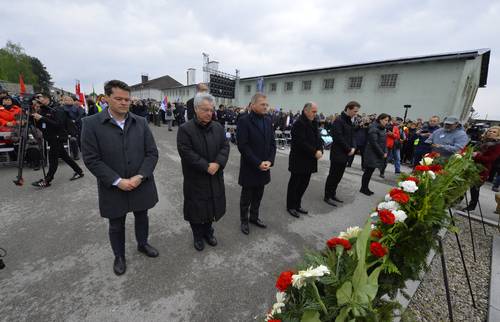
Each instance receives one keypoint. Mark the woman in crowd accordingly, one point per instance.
(488, 152)
(375, 151)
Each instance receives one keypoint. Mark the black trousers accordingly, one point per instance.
(365, 179)
(474, 197)
(297, 186)
(57, 151)
(250, 198)
(74, 147)
(334, 176)
(201, 230)
(117, 231)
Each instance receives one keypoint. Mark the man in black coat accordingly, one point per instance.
(306, 150)
(200, 88)
(53, 122)
(120, 151)
(204, 152)
(343, 147)
(256, 143)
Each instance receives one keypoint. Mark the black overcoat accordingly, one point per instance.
(306, 140)
(373, 156)
(204, 194)
(255, 147)
(343, 139)
(111, 153)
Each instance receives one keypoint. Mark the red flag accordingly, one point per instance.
(77, 89)
(22, 87)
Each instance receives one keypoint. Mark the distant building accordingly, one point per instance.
(13, 88)
(153, 88)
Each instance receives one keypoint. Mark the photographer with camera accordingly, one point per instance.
(52, 121)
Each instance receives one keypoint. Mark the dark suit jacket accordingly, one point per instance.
(111, 153)
(305, 142)
(343, 139)
(255, 146)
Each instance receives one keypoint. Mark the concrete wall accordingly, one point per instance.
(147, 93)
(432, 88)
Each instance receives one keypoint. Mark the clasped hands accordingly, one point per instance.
(131, 183)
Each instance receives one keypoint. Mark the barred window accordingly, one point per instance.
(248, 88)
(306, 85)
(288, 86)
(355, 82)
(328, 83)
(388, 80)
(272, 87)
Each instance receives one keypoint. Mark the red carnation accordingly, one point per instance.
(377, 249)
(399, 196)
(422, 168)
(284, 280)
(386, 216)
(332, 243)
(436, 168)
(273, 320)
(414, 179)
(376, 233)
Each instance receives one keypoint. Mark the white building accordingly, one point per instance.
(444, 84)
(153, 88)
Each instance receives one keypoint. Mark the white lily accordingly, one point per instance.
(350, 232)
(302, 277)
(431, 174)
(426, 161)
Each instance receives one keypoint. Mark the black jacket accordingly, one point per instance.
(204, 194)
(190, 108)
(376, 146)
(53, 122)
(306, 140)
(255, 147)
(343, 139)
(111, 153)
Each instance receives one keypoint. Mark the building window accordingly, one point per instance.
(388, 80)
(306, 85)
(272, 87)
(288, 86)
(328, 83)
(248, 88)
(355, 82)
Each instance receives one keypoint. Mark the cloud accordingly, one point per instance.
(95, 41)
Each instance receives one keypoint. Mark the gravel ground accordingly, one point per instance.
(429, 302)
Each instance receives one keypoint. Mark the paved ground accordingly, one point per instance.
(59, 265)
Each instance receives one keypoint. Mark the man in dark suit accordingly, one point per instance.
(255, 137)
(343, 147)
(306, 150)
(200, 88)
(120, 151)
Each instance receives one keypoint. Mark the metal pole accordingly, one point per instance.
(463, 260)
(481, 213)
(470, 227)
(445, 278)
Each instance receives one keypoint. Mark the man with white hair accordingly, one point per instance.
(204, 151)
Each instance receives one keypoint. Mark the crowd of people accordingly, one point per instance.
(118, 148)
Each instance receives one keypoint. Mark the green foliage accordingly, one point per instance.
(14, 61)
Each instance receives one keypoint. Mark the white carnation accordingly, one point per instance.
(400, 215)
(387, 197)
(408, 186)
(389, 205)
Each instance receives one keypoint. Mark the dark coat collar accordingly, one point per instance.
(105, 117)
(346, 118)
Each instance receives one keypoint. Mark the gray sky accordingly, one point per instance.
(95, 41)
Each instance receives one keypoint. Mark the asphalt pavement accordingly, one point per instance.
(59, 262)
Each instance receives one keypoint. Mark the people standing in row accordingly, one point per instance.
(52, 121)
(375, 153)
(204, 151)
(120, 151)
(343, 147)
(257, 145)
(306, 149)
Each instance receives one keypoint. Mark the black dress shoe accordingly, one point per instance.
(149, 250)
(199, 245)
(337, 199)
(244, 228)
(329, 201)
(293, 212)
(211, 240)
(76, 176)
(367, 192)
(259, 223)
(302, 211)
(119, 266)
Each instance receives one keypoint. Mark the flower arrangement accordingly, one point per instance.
(358, 274)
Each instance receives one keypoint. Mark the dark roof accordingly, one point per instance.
(158, 83)
(462, 55)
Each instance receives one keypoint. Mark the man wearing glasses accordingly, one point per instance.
(204, 152)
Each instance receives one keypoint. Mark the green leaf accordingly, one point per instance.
(344, 293)
(343, 315)
(310, 316)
